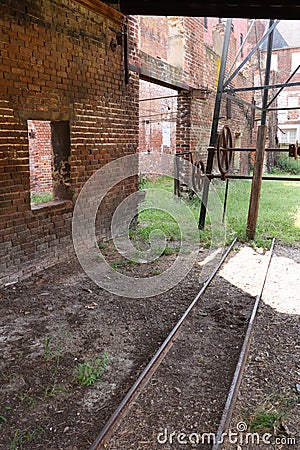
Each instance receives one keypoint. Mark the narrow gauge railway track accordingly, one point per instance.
(129, 399)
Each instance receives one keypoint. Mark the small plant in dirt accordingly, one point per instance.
(53, 389)
(3, 419)
(28, 435)
(91, 371)
(116, 264)
(25, 397)
(52, 352)
(264, 421)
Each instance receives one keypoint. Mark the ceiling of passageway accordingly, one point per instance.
(213, 8)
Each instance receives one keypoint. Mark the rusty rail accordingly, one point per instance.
(237, 378)
(151, 367)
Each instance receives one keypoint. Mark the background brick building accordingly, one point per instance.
(179, 64)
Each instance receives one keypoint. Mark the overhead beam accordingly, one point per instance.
(259, 9)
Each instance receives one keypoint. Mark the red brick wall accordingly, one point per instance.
(57, 64)
(196, 66)
(157, 131)
(40, 156)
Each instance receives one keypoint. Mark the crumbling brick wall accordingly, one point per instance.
(57, 64)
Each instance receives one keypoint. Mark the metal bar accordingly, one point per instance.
(237, 149)
(284, 109)
(280, 90)
(158, 98)
(258, 88)
(237, 378)
(251, 53)
(241, 48)
(240, 100)
(215, 123)
(250, 177)
(225, 200)
(153, 364)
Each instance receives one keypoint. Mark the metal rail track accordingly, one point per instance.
(237, 378)
(151, 367)
(161, 353)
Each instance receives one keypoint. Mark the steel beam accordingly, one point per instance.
(215, 122)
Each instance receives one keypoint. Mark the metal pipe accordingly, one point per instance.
(267, 76)
(242, 101)
(280, 90)
(225, 200)
(250, 177)
(158, 98)
(251, 53)
(258, 88)
(237, 149)
(241, 48)
(154, 363)
(237, 378)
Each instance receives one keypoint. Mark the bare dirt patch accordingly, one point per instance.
(56, 319)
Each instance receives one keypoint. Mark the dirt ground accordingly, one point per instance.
(53, 321)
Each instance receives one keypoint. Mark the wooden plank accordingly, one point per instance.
(256, 182)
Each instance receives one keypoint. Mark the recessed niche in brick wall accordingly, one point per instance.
(49, 155)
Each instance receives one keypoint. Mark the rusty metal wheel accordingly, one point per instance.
(224, 151)
(198, 173)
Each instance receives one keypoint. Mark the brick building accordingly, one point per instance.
(179, 63)
(61, 65)
(68, 88)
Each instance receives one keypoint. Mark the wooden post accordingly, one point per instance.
(260, 148)
(256, 182)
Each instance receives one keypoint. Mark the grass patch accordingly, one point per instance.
(90, 371)
(287, 165)
(264, 421)
(29, 435)
(35, 199)
(279, 212)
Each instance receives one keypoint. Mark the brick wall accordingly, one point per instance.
(189, 63)
(40, 156)
(57, 65)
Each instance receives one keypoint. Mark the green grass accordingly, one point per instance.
(279, 212)
(264, 421)
(35, 199)
(90, 371)
(29, 435)
(288, 165)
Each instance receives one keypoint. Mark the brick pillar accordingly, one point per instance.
(183, 124)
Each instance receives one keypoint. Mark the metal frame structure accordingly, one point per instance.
(225, 88)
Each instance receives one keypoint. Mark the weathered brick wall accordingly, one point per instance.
(40, 156)
(195, 66)
(157, 118)
(57, 64)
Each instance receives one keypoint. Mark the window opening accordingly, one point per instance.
(49, 161)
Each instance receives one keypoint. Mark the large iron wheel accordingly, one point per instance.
(224, 151)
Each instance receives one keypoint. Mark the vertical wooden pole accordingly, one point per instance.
(260, 148)
(256, 182)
